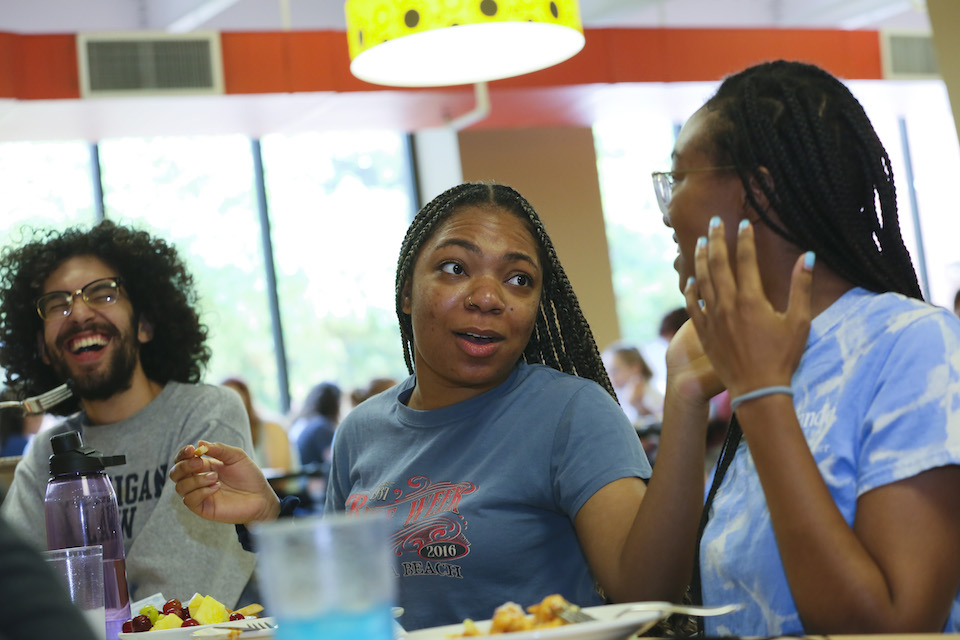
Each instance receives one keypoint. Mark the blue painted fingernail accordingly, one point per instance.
(744, 224)
(690, 282)
(701, 242)
(714, 222)
(808, 259)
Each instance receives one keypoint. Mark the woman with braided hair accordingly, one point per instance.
(505, 464)
(838, 510)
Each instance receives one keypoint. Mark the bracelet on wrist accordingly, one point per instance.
(759, 393)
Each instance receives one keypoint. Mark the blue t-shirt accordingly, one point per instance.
(877, 394)
(315, 440)
(15, 445)
(483, 493)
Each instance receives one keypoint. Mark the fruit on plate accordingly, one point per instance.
(167, 621)
(151, 612)
(140, 623)
(173, 606)
(207, 610)
(200, 610)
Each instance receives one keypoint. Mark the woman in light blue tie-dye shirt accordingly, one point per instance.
(839, 510)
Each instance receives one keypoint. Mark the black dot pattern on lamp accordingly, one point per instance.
(488, 8)
(411, 19)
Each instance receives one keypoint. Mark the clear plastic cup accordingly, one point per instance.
(327, 577)
(80, 569)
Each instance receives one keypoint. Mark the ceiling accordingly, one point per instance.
(256, 115)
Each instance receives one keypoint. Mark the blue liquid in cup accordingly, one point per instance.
(375, 624)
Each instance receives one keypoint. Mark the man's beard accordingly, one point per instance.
(104, 383)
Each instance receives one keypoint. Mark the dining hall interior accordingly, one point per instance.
(287, 182)
(796, 474)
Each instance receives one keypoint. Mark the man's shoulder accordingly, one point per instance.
(202, 393)
(195, 389)
(198, 401)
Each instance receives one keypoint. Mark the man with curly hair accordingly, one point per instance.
(112, 309)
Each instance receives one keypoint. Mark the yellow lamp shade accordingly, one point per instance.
(431, 43)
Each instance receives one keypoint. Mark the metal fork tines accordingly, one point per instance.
(42, 402)
(572, 613)
(250, 625)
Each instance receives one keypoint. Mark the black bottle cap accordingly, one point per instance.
(71, 456)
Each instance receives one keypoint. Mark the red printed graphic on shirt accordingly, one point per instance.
(432, 526)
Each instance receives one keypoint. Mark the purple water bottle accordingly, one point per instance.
(81, 510)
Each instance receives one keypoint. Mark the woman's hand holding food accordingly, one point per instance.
(750, 344)
(223, 484)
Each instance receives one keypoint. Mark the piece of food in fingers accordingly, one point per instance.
(200, 450)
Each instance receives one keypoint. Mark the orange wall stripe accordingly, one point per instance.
(36, 67)
(45, 66)
(8, 52)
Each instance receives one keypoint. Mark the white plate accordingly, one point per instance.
(184, 633)
(607, 626)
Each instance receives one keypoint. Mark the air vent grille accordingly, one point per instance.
(909, 55)
(150, 64)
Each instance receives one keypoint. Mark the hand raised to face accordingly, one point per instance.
(750, 344)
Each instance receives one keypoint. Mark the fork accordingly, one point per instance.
(260, 624)
(42, 402)
(573, 613)
(251, 625)
(688, 609)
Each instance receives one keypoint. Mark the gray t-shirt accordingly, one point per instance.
(168, 548)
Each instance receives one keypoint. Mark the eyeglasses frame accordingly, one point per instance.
(82, 292)
(663, 183)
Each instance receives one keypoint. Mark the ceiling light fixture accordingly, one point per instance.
(432, 43)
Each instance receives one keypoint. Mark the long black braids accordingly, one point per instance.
(828, 169)
(561, 338)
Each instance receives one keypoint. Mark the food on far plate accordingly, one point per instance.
(200, 450)
(199, 610)
(510, 617)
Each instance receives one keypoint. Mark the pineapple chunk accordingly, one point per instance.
(208, 611)
(167, 621)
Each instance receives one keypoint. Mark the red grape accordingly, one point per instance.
(173, 606)
(140, 623)
(236, 615)
(127, 627)
(190, 622)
